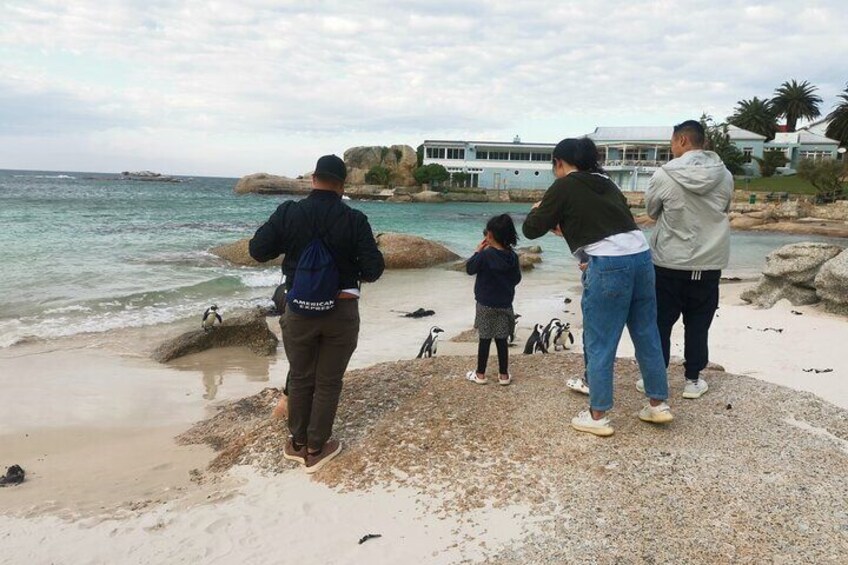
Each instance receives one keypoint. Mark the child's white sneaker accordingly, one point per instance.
(474, 378)
(577, 384)
(640, 386)
(695, 389)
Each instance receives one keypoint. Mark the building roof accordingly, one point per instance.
(802, 137)
(657, 134)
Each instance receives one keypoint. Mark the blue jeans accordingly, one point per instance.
(619, 291)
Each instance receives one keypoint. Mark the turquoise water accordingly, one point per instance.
(85, 252)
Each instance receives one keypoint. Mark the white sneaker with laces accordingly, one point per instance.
(695, 389)
(640, 386)
(660, 414)
(584, 422)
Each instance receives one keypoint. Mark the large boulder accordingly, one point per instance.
(401, 160)
(791, 273)
(832, 284)
(247, 329)
(263, 183)
(402, 251)
(238, 254)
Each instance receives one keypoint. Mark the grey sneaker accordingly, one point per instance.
(584, 422)
(695, 389)
(656, 414)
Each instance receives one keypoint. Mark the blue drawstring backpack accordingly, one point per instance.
(316, 279)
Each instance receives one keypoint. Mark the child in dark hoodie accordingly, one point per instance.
(498, 273)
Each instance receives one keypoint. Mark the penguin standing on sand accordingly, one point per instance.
(428, 348)
(211, 318)
(511, 338)
(563, 338)
(554, 325)
(534, 342)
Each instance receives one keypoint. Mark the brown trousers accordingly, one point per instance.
(318, 350)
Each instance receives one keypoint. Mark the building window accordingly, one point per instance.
(664, 155)
(519, 156)
(748, 153)
(540, 157)
(636, 154)
(456, 153)
(435, 152)
(499, 155)
(482, 155)
(816, 155)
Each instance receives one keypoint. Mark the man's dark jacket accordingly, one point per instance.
(347, 232)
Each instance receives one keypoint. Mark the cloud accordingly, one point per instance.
(311, 73)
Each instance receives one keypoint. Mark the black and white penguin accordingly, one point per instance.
(211, 318)
(511, 338)
(563, 338)
(428, 348)
(534, 342)
(549, 330)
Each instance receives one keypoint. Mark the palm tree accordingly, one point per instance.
(755, 115)
(795, 101)
(838, 127)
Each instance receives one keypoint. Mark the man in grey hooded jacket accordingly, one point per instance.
(690, 197)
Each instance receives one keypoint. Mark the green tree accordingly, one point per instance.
(795, 101)
(755, 115)
(770, 161)
(378, 174)
(419, 152)
(460, 179)
(838, 127)
(826, 175)
(432, 174)
(718, 140)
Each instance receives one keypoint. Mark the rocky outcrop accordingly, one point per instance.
(832, 284)
(401, 160)
(402, 251)
(790, 273)
(263, 183)
(238, 254)
(247, 330)
(427, 196)
(823, 228)
(527, 260)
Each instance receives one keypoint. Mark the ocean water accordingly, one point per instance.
(87, 252)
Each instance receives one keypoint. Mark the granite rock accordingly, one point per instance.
(247, 329)
(832, 284)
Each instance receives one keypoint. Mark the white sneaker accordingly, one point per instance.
(640, 386)
(695, 389)
(577, 384)
(656, 414)
(584, 422)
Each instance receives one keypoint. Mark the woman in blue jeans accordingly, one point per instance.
(587, 208)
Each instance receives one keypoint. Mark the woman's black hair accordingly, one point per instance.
(579, 152)
(502, 229)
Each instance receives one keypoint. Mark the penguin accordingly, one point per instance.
(534, 342)
(552, 326)
(511, 338)
(211, 318)
(563, 338)
(428, 348)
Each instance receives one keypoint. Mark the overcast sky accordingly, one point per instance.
(231, 88)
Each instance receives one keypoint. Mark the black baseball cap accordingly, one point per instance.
(331, 166)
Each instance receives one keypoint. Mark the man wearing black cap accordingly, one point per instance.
(318, 347)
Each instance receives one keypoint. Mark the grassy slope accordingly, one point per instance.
(791, 184)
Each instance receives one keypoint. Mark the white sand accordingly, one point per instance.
(96, 410)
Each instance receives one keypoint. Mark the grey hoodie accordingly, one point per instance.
(689, 197)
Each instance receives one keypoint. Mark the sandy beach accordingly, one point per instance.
(93, 420)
